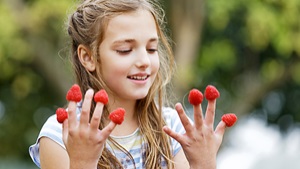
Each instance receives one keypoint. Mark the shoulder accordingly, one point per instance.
(169, 113)
(171, 116)
(173, 121)
(52, 130)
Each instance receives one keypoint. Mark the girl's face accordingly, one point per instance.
(129, 56)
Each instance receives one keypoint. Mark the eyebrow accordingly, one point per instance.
(117, 42)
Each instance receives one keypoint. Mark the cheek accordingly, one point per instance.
(113, 71)
(111, 66)
(155, 64)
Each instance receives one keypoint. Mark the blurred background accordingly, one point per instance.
(248, 49)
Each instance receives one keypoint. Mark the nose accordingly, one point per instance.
(143, 59)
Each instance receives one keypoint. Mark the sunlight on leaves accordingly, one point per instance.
(260, 26)
(220, 53)
(272, 70)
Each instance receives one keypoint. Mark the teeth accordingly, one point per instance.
(138, 77)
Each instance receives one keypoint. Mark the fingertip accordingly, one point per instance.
(165, 128)
(89, 93)
(178, 106)
(90, 90)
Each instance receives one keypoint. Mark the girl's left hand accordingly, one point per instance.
(201, 142)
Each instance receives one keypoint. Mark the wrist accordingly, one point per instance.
(202, 167)
(210, 164)
(76, 164)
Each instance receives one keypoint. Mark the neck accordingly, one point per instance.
(130, 123)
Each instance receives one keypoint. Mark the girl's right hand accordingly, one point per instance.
(84, 141)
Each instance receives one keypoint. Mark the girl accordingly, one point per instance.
(120, 46)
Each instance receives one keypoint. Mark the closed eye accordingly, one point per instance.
(123, 52)
(152, 50)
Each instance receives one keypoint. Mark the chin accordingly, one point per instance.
(141, 95)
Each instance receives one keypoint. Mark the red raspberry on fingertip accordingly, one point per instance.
(61, 115)
(117, 116)
(229, 119)
(101, 96)
(211, 92)
(74, 94)
(195, 97)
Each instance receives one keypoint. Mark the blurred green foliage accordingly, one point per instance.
(251, 49)
(30, 31)
(246, 43)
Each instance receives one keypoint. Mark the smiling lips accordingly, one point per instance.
(138, 77)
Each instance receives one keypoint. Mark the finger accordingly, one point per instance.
(86, 108)
(96, 118)
(72, 119)
(65, 131)
(198, 117)
(173, 134)
(184, 119)
(108, 129)
(220, 129)
(210, 113)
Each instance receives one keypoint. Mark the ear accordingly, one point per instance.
(85, 57)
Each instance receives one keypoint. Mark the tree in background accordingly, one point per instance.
(34, 70)
(252, 48)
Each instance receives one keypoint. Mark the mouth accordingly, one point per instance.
(141, 78)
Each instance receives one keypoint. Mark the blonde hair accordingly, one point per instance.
(87, 26)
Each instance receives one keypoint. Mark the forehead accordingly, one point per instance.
(136, 24)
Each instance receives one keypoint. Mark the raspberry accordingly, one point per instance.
(229, 119)
(74, 94)
(61, 115)
(117, 116)
(211, 92)
(195, 97)
(101, 96)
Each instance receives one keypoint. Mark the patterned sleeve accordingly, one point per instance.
(173, 122)
(51, 129)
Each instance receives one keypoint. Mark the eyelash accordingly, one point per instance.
(152, 50)
(124, 52)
